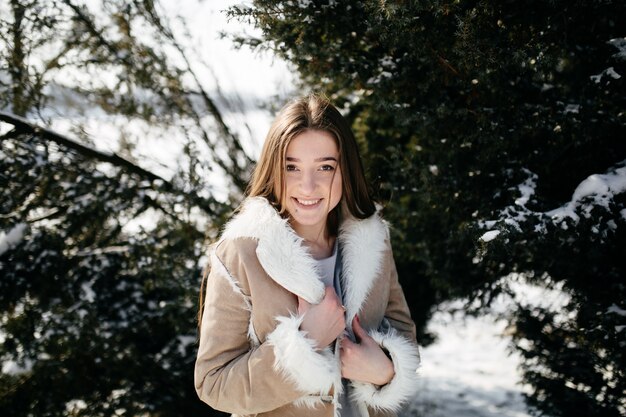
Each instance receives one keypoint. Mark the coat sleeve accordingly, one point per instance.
(235, 373)
(397, 337)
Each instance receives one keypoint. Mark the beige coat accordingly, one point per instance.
(254, 361)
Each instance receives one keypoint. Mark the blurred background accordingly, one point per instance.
(493, 133)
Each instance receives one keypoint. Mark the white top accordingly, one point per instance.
(326, 268)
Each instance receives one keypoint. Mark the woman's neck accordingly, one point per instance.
(317, 241)
(321, 249)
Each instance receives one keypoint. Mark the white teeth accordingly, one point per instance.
(308, 202)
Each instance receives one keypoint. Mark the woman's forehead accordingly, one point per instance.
(312, 145)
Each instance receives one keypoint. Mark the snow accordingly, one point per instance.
(620, 44)
(470, 369)
(595, 191)
(89, 294)
(73, 407)
(616, 310)
(609, 72)
(184, 342)
(10, 367)
(12, 238)
(572, 108)
(527, 188)
(598, 187)
(490, 235)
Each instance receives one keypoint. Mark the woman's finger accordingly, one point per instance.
(346, 343)
(359, 331)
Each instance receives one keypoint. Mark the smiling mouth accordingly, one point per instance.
(307, 203)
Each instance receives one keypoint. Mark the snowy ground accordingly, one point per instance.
(469, 371)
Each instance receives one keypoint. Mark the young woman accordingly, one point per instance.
(303, 314)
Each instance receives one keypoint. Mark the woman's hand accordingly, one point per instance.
(323, 322)
(364, 361)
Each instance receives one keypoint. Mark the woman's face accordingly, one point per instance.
(312, 179)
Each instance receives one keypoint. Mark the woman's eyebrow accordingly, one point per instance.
(322, 159)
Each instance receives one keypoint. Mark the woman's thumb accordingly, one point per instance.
(303, 305)
(359, 332)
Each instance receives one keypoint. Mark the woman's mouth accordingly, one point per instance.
(307, 203)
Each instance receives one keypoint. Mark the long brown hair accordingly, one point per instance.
(311, 112)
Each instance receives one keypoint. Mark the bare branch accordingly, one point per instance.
(234, 142)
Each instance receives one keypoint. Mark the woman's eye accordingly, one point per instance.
(327, 167)
(290, 168)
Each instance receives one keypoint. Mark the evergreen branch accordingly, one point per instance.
(49, 215)
(22, 125)
(446, 64)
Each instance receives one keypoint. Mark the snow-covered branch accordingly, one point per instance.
(597, 191)
(22, 125)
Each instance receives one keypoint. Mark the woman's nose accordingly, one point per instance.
(307, 184)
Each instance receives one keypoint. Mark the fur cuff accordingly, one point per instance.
(392, 396)
(312, 371)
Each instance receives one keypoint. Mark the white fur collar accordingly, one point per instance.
(288, 262)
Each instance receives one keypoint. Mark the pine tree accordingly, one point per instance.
(100, 258)
(97, 317)
(489, 116)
